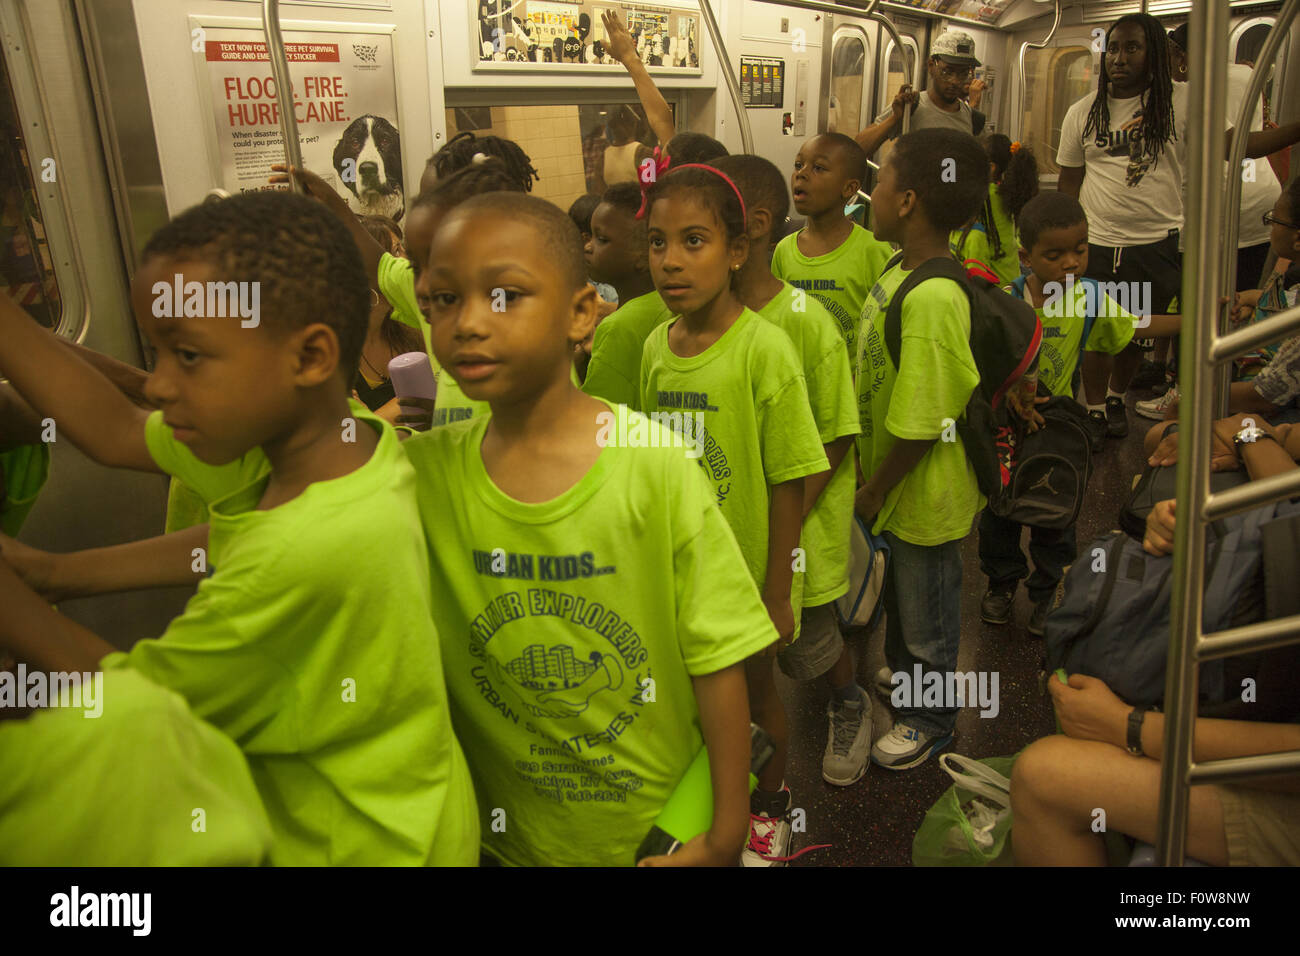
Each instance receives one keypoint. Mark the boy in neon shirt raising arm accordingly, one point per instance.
(313, 539)
(594, 606)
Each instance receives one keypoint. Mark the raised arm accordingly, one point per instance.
(1262, 142)
(1070, 180)
(170, 560)
(86, 407)
(657, 111)
(874, 136)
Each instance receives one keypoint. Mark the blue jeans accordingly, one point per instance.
(923, 604)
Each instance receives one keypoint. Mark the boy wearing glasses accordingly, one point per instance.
(951, 67)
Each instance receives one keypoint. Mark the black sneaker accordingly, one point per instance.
(1150, 375)
(1038, 618)
(1097, 429)
(995, 608)
(1116, 417)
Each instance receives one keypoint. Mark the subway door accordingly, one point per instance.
(62, 262)
(777, 54)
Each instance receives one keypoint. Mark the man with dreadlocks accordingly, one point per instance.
(1130, 139)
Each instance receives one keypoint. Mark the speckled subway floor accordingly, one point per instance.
(872, 822)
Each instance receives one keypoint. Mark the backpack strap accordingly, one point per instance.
(940, 267)
(1090, 315)
(991, 227)
(1018, 286)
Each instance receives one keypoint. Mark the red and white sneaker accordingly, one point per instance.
(769, 837)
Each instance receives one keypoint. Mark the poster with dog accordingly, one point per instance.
(345, 101)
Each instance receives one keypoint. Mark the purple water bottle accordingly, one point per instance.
(412, 377)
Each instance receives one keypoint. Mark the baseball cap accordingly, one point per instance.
(1179, 35)
(953, 46)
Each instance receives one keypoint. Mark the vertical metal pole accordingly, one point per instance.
(724, 66)
(902, 55)
(1200, 297)
(1232, 196)
(283, 87)
(1040, 45)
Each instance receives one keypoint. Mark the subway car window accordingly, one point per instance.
(1055, 79)
(848, 63)
(576, 149)
(895, 74)
(25, 263)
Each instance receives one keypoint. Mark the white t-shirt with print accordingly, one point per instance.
(1128, 202)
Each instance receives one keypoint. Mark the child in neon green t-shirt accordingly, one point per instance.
(314, 538)
(831, 257)
(737, 384)
(617, 254)
(819, 648)
(594, 606)
(920, 491)
(169, 789)
(1054, 233)
(992, 238)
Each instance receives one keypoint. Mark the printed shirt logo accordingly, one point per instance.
(1127, 141)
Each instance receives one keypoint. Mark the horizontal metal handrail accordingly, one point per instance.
(1273, 329)
(1239, 768)
(1249, 638)
(1220, 504)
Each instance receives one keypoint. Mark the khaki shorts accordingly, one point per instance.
(818, 647)
(1262, 826)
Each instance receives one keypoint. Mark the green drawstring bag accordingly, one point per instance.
(970, 825)
(23, 472)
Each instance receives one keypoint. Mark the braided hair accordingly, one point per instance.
(460, 150)
(1157, 125)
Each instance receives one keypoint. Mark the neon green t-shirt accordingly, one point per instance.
(1063, 316)
(825, 537)
(23, 472)
(979, 245)
(312, 645)
(555, 616)
(936, 501)
(397, 283)
(616, 349)
(840, 280)
(121, 789)
(750, 419)
(185, 508)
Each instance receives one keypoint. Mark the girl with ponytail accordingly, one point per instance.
(993, 238)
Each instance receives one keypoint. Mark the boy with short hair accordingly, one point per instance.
(313, 539)
(1054, 244)
(831, 257)
(819, 648)
(920, 492)
(618, 253)
(598, 611)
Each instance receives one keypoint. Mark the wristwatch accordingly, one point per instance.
(1249, 435)
(1135, 718)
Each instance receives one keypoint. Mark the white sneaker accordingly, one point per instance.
(885, 683)
(848, 744)
(905, 747)
(1156, 408)
(769, 837)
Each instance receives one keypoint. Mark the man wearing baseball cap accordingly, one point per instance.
(951, 65)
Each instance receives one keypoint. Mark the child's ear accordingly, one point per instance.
(315, 351)
(584, 313)
(760, 224)
(850, 189)
(739, 252)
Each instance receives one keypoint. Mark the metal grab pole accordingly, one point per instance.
(283, 87)
(902, 55)
(1040, 45)
(1232, 197)
(733, 84)
(1200, 297)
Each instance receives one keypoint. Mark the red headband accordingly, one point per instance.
(645, 187)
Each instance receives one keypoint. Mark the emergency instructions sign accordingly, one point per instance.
(345, 102)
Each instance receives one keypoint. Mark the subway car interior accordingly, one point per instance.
(121, 115)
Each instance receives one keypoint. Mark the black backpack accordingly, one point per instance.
(1005, 336)
(1049, 468)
